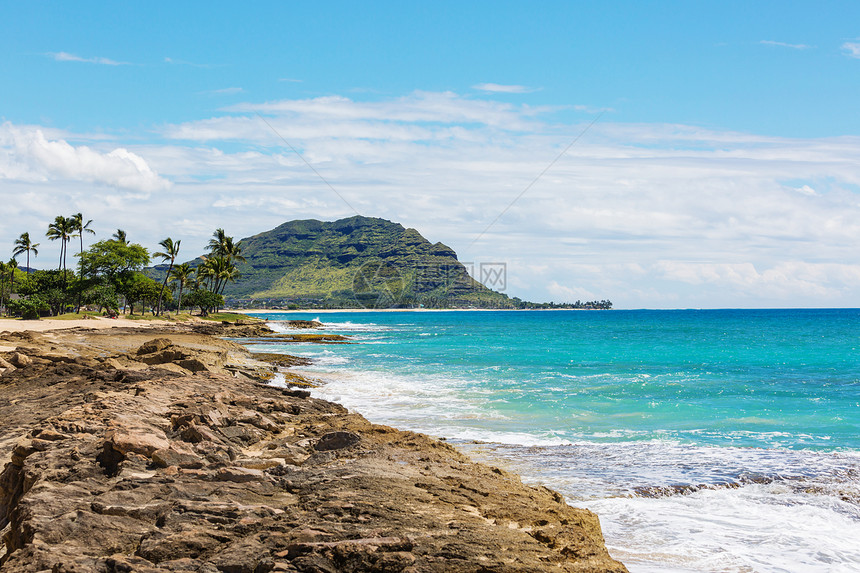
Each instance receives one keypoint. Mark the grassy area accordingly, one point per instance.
(75, 316)
(137, 316)
(229, 316)
(171, 317)
(145, 317)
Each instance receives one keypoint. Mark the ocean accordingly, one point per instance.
(705, 440)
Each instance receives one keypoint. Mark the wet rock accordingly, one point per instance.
(304, 324)
(336, 441)
(285, 360)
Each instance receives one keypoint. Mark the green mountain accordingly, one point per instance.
(355, 262)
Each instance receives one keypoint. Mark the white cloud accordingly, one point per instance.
(562, 293)
(851, 49)
(501, 88)
(28, 155)
(226, 91)
(786, 279)
(785, 45)
(648, 215)
(67, 57)
(441, 107)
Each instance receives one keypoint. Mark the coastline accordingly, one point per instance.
(392, 310)
(359, 310)
(291, 482)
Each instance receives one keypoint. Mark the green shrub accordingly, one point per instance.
(29, 308)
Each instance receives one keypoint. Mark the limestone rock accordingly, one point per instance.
(170, 457)
(20, 360)
(163, 356)
(154, 345)
(144, 443)
(240, 475)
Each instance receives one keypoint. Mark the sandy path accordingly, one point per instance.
(17, 325)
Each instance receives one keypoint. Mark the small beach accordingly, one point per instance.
(47, 324)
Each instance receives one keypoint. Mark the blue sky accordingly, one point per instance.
(722, 169)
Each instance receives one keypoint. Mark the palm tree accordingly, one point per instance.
(223, 271)
(217, 242)
(219, 270)
(23, 244)
(62, 228)
(233, 252)
(80, 228)
(229, 274)
(120, 237)
(171, 251)
(181, 274)
(220, 245)
(206, 271)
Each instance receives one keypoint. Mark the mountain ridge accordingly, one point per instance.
(355, 262)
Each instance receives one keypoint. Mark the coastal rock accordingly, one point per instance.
(336, 441)
(207, 472)
(20, 360)
(171, 457)
(144, 443)
(5, 364)
(304, 324)
(285, 360)
(163, 352)
(154, 345)
(239, 329)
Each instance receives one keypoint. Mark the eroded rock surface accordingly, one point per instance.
(113, 464)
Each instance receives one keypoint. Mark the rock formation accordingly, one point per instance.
(143, 451)
(357, 262)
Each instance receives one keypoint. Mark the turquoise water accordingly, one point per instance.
(714, 440)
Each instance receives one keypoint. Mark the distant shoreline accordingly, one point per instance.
(338, 310)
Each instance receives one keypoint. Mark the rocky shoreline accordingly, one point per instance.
(165, 450)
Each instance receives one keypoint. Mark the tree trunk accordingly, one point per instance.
(81, 278)
(164, 285)
(179, 306)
